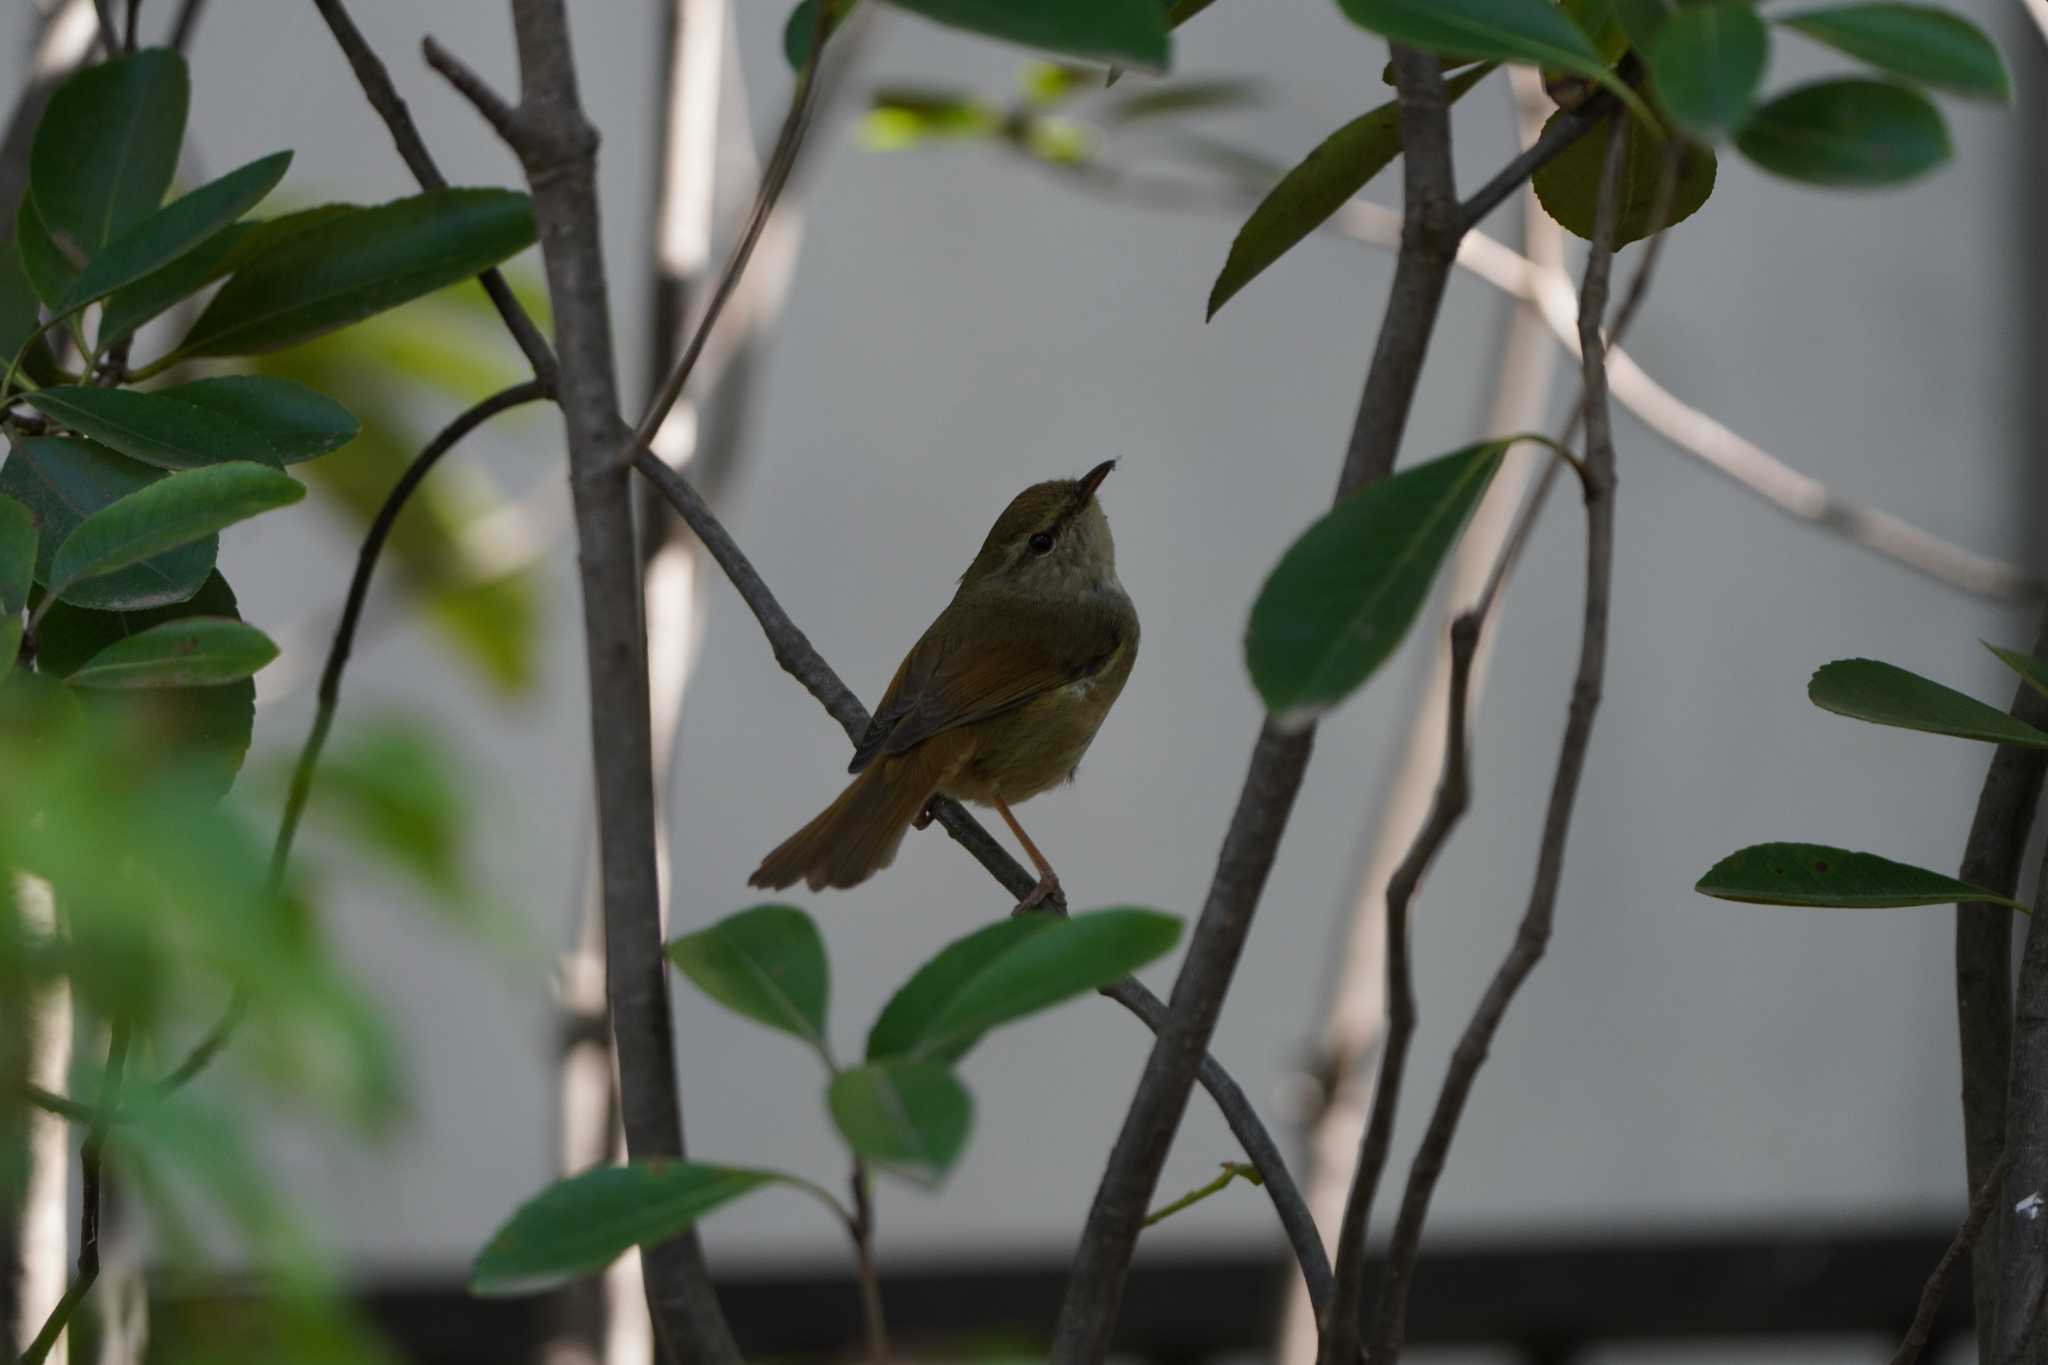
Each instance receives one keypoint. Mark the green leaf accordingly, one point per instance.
(173, 511)
(129, 307)
(19, 314)
(1346, 591)
(1327, 179)
(1531, 32)
(767, 963)
(910, 1114)
(802, 24)
(1919, 42)
(1642, 20)
(206, 422)
(1174, 98)
(354, 265)
(2032, 671)
(1851, 134)
(391, 785)
(583, 1223)
(202, 732)
(198, 651)
(17, 555)
(62, 481)
(1815, 874)
(1133, 32)
(1882, 694)
(174, 230)
(10, 644)
(1569, 185)
(50, 271)
(1706, 62)
(1010, 969)
(107, 147)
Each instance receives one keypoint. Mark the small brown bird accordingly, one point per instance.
(997, 701)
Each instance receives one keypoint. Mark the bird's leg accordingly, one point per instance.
(1048, 880)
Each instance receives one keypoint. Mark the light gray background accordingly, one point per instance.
(961, 326)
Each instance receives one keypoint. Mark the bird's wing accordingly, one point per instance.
(980, 661)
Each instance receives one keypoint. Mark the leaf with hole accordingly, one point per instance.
(1568, 186)
(1815, 874)
(1345, 593)
(584, 1223)
(1329, 177)
(17, 555)
(198, 651)
(1012, 968)
(1884, 694)
(2032, 671)
(1847, 134)
(107, 147)
(909, 1114)
(63, 480)
(1706, 63)
(1132, 32)
(179, 227)
(206, 422)
(1531, 32)
(164, 515)
(767, 963)
(354, 265)
(1918, 42)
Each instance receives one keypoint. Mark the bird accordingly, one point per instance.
(998, 699)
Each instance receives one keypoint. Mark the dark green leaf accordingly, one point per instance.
(1347, 590)
(18, 302)
(1133, 32)
(1532, 32)
(1815, 874)
(206, 422)
(1642, 20)
(1847, 133)
(198, 651)
(767, 963)
(1598, 21)
(50, 272)
(582, 1224)
(802, 26)
(909, 1114)
(2031, 670)
(10, 644)
(1180, 11)
(1324, 182)
(173, 511)
(1707, 61)
(174, 230)
(63, 480)
(202, 732)
(221, 254)
(17, 555)
(1011, 969)
(1919, 42)
(1569, 185)
(107, 147)
(1885, 695)
(355, 265)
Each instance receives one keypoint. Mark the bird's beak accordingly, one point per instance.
(1094, 477)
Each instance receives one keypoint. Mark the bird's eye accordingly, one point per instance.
(1041, 543)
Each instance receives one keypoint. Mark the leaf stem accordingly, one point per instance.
(1232, 1170)
(861, 1227)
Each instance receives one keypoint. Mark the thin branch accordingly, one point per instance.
(183, 26)
(1390, 1317)
(62, 1106)
(90, 1167)
(390, 106)
(1983, 967)
(1551, 144)
(796, 655)
(861, 1227)
(128, 35)
(2021, 1325)
(1273, 777)
(1936, 1291)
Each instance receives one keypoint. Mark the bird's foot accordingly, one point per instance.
(925, 815)
(1046, 896)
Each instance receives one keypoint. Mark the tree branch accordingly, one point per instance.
(1936, 1291)
(861, 1227)
(1390, 1317)
(2022, 1227)
(90, 1168)
(1983, 958)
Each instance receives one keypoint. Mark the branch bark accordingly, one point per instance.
(1390, 1316)
(1983, 955)
(1936, 1290)
(2022, 1222)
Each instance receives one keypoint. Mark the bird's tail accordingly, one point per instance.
(857, 835)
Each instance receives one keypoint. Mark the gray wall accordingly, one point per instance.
(961, 327)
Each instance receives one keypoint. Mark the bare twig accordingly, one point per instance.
(110, 30)
(128, 34)
(1983, 956)
(1568, 128)
(52, 1102)
(183, 26)
(90, 1168)
(861, 1227)
(1936, 1291)
(1390, 1316)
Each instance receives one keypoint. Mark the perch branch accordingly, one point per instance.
(1936, 1291)
(2022, 1310)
